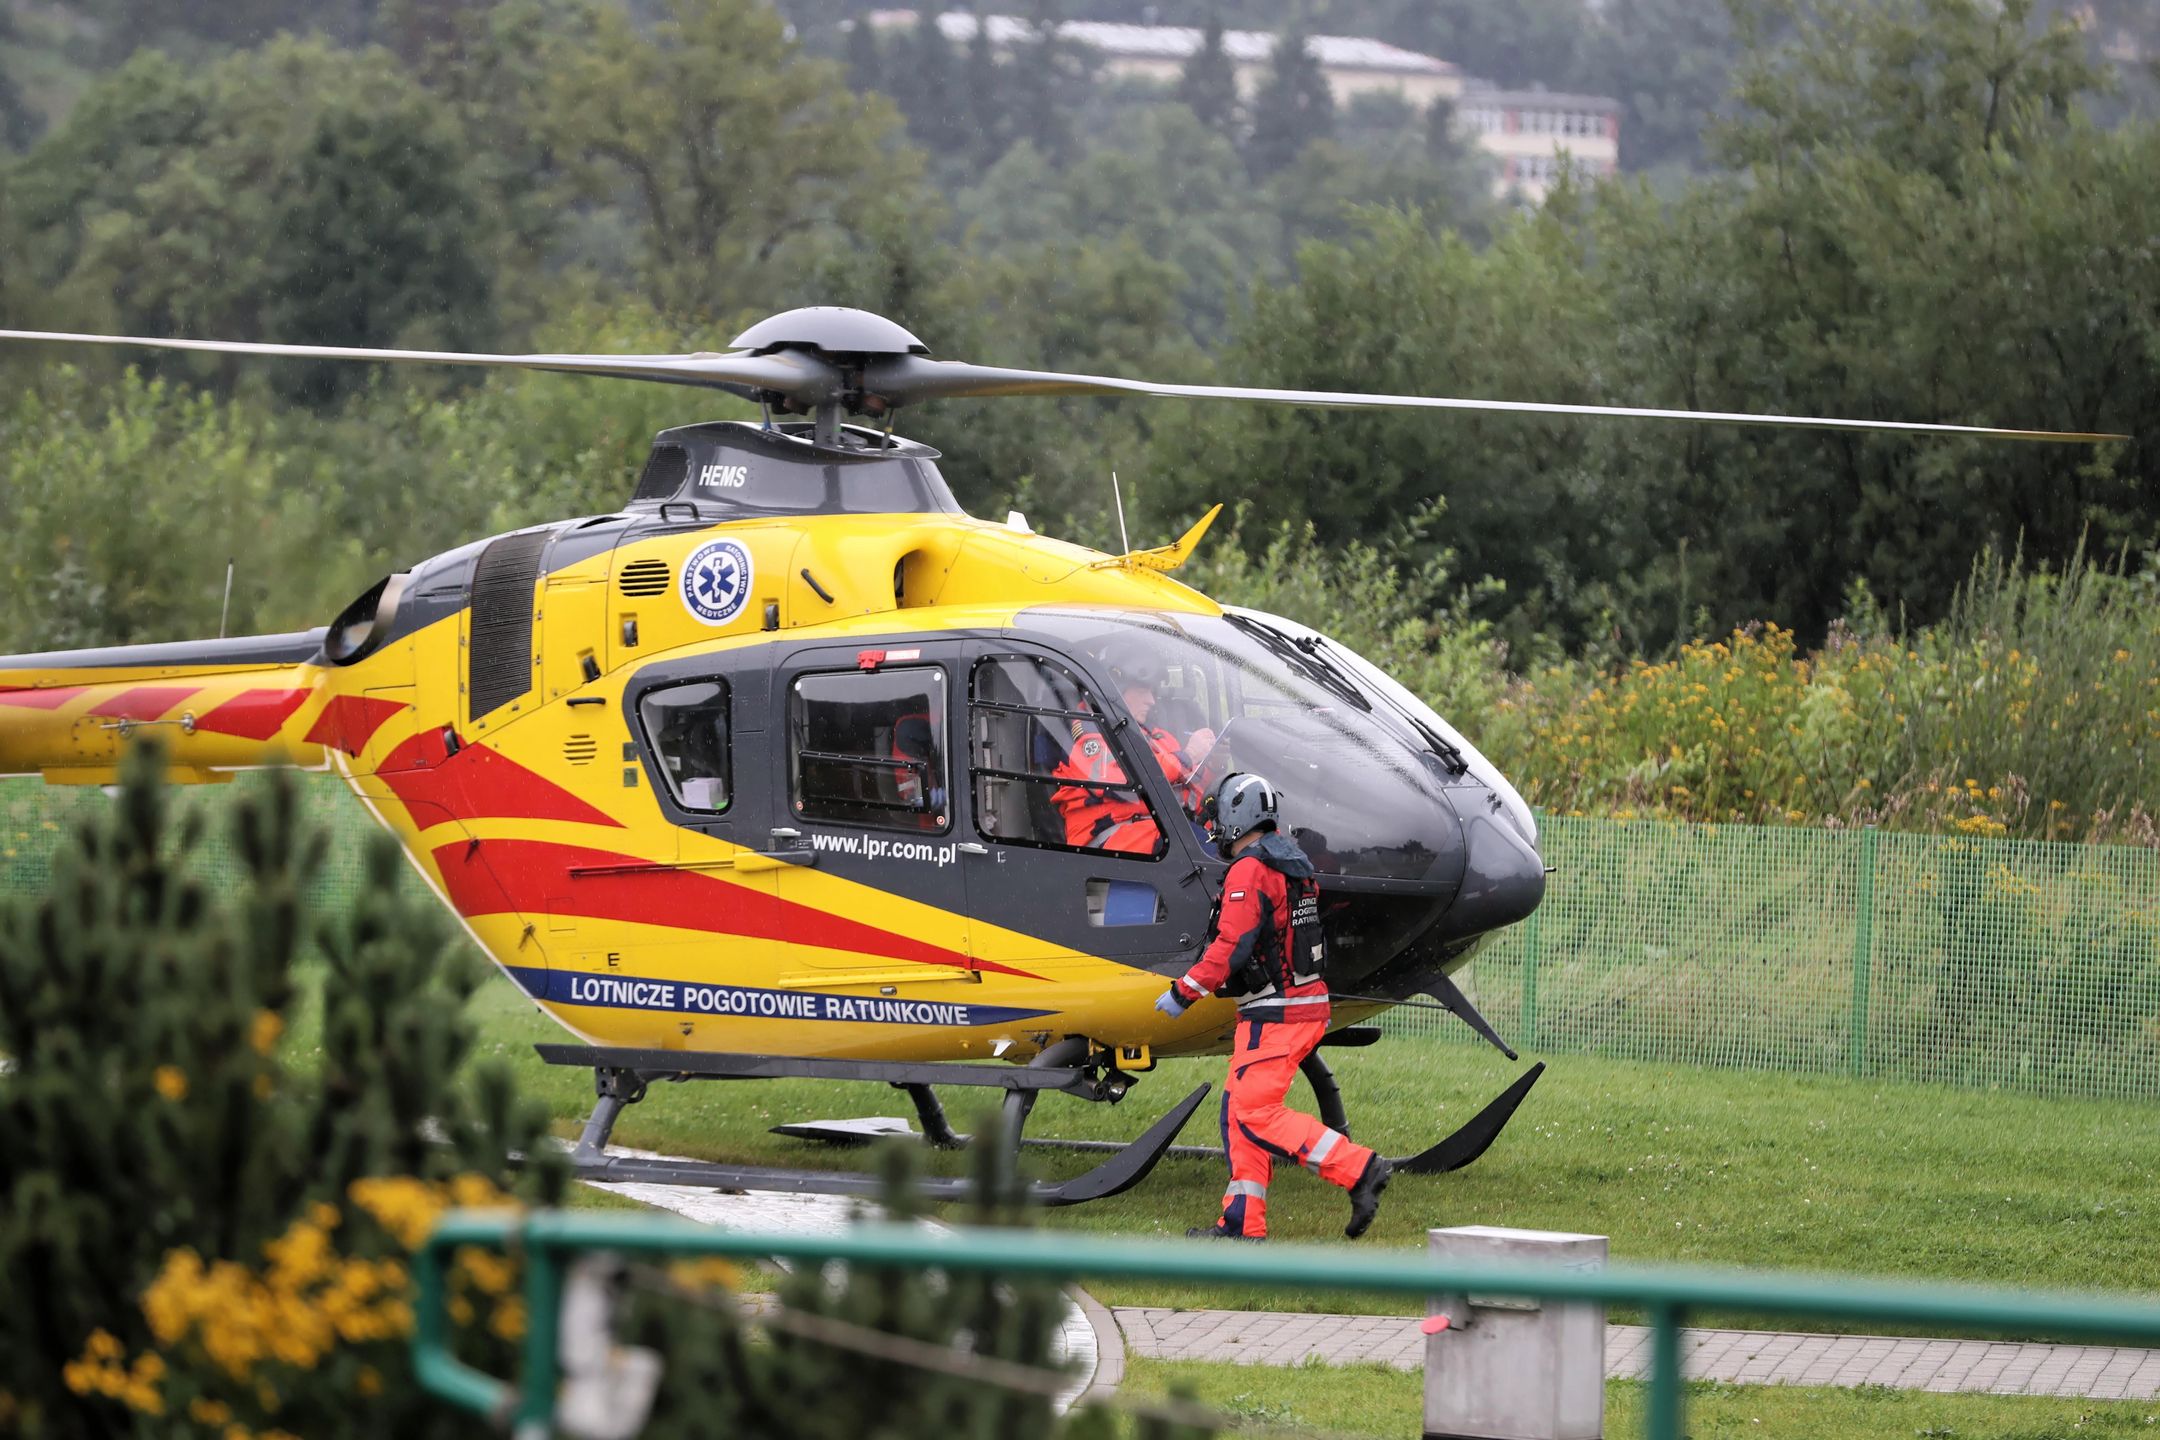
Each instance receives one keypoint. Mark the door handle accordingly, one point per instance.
(970, 847)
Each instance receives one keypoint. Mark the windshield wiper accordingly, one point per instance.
(1314, 665)
(1446, 749)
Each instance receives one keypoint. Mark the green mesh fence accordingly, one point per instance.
(1943, 959)
(1949, 960)
(35, 820)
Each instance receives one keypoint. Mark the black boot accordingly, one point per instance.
(1365, 1195)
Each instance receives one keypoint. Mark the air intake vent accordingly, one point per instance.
(501, 659)
(580, 749)
(644, 577)
(665, 470)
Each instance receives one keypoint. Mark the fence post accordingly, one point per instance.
(1529, 978)
(1863, 942)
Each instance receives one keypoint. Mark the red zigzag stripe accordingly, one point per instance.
(479, 784)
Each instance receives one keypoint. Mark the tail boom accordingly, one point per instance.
(218, 706)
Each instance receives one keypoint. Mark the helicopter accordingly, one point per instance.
(766, 773)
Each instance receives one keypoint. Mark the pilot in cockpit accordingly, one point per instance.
(1107, 812)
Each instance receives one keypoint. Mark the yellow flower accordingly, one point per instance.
(508, 1321)
(263, 1032)
(368, 1381)
(494, 1274)
(171, 1082)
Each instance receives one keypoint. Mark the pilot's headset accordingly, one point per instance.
(1239, 806)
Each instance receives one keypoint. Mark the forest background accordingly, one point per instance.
(1940, 210)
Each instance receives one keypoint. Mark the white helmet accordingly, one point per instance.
(1239, 806)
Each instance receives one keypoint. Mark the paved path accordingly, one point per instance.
(1756, 1357)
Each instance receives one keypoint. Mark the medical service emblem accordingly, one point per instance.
(716, 581)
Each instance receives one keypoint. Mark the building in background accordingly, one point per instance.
(1158, 52)
(1533, 135)
(1538, 134)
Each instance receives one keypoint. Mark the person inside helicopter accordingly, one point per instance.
(1101, 809)
(919, 783)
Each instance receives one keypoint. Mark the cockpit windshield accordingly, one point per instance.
(1363, 782)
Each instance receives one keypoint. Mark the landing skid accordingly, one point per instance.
(621, 1076)
(1469, 1142)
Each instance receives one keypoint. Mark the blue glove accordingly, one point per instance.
(1171, 1003)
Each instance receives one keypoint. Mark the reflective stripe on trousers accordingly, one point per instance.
(1321, 1148)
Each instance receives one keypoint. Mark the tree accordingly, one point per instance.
(1668, 62)
(290, 186)
(1399, 308)
(18, 125)
(1208, 83)
(990, 105)
(1527, 42)
(865, 56)
(926, 85)
(1054, 74)
(1294, 106)
(360, 257)
(724, 144)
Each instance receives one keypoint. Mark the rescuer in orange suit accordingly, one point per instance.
(1267, 950)
(1100, 818)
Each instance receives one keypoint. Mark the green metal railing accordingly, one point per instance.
(548, 1240)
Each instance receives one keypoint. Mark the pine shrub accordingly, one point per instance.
(207, 1230)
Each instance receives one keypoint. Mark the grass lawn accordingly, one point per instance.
(1697, 1166)
(1375, 1400)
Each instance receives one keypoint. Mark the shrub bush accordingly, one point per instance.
(2032, 709)
(206, 1226)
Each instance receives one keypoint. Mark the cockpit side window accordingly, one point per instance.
(686, 727)
(1047, 768)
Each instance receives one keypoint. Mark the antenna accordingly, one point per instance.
(1118, 496)
(225, 609)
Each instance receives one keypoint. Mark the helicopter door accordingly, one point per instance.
(1066, 863)
(676, 921)
(865, 776)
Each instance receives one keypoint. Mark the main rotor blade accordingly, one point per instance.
(798, 376)
(906, 379)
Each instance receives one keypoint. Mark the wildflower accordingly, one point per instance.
(171, 1082)
(264, 1030)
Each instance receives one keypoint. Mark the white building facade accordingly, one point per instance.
(1534, 135)
(1539, 135)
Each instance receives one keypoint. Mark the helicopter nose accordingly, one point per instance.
(1503, 874)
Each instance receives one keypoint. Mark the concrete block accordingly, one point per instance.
(1518, 1369)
